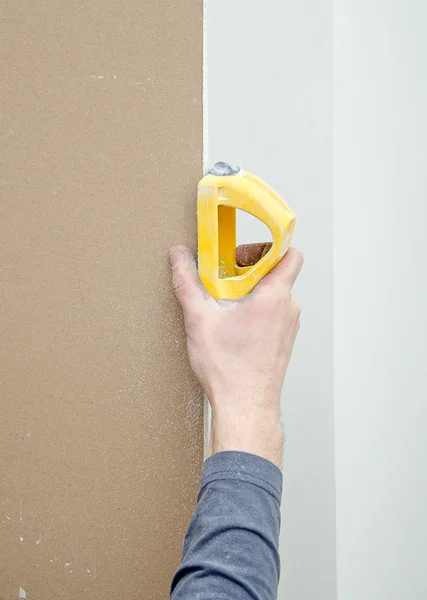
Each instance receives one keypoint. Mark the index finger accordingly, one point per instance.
(284, 274)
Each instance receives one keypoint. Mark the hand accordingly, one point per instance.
(239, 350)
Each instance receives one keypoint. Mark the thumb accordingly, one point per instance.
(185, 280)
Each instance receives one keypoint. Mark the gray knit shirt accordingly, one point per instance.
(231, 546)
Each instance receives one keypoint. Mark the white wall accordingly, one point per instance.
(269, 71)
(270, 110)
(380, 255)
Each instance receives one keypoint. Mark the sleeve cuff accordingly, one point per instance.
(243, 466)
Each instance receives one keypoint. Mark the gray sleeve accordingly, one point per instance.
(231, 546)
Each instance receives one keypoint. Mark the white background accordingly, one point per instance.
(349, 154)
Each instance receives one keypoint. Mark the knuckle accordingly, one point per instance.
(295, 310)
(299, 254)
(298, 257)
(179, 284)
(195, 315)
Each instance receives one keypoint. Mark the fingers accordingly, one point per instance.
(185, 280)
(249, 254)
(283, 276)
(292, 264)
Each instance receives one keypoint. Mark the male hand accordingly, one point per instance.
(239, 349)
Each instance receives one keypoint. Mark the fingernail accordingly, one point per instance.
(176, 256)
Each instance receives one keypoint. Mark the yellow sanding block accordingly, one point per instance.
(220, 193)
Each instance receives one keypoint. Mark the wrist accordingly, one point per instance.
(255, 430)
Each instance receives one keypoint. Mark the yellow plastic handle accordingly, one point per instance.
(220, 193)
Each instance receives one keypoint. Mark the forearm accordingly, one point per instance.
(231, 547)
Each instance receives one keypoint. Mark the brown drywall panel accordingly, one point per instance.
(101, 428)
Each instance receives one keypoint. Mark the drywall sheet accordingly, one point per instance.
(101, 435)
